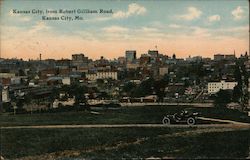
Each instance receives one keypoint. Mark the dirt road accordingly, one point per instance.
(230, 123)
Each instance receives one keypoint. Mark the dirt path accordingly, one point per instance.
(120, 126)
(230, 125)
(222, 120)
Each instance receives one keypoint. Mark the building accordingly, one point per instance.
(214, 87)
(66, 81)
(102, 75)
(1, 90)
(121, 60)
(219, 57)
(106, 75)
(7, 75)
(132, 65)
(194, 59)
(15, 80)
(78, 57)
(130, 56)
(249, 92)
(63, 63)
(153, 53)
(79, 60)
(5, 94)
(230, 57)
(163, 71)
(144, 59)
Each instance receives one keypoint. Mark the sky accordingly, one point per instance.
(183, 27)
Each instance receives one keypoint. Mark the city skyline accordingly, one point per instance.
(183, 27)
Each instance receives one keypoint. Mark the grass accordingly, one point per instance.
(147, 114)
(19, 143)
(158, 142)
(105, 142)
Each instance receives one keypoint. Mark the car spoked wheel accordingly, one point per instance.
(166, 121)
(191, 121)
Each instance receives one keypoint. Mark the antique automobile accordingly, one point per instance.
(185, 116)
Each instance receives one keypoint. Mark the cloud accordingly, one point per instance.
(40, 25)
(238, 13)
(193, 13)
(115, 29)
(157, 24)
(133, 9)
(214, 18)
(148, 29)
(174, 26)
(201, 32)
(53, 45)
(25, 19)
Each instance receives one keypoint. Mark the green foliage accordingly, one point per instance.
(130, 115)
(237, 93)
(144, 89)
(128, 87)
(237, 75)
(223, 97)
(7, 107)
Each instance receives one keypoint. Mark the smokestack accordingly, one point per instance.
(40, 57)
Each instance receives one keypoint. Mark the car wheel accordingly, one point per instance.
(191, 121)
(166, 121)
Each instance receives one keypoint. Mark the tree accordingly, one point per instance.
(159, 87)
(78, 91)
(237, 75)
(237, 93)
(222, 98)
(128, 87)
(21, 72)
(145, 88)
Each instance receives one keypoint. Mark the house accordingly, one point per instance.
(66, 81)
(5, 94)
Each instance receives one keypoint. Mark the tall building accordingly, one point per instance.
(153, 55)
(79, 57)
(79, 60)
(230, 57)
(218, 57)
(130, 55)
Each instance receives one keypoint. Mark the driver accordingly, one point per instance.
(182, 114)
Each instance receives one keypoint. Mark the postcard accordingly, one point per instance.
(124, 79)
